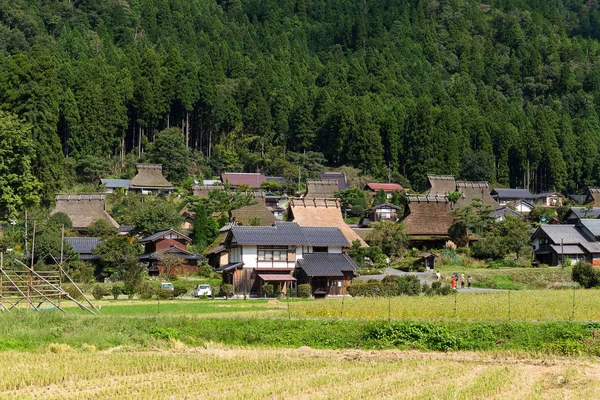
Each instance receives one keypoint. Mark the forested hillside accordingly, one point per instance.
(507, 91)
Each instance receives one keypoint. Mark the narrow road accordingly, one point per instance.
(422, 278)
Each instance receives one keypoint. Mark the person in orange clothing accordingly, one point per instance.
(453, 282)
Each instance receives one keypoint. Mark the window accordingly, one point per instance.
(274, 253)
(320, 249)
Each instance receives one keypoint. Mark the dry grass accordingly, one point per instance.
(225, 372)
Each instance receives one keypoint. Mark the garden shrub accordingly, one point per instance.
(145, 291)
(116, 290)
(180, 290)
(304, 291)
(268, 289)
(165, 294)
(98, 292)
(226, 290)
(72, 291)
(205, 270)
(585, 274)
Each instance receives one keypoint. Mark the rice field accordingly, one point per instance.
(219, 372)
(534, 305)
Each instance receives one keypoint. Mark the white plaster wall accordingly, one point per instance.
(334, 250)
(249, 256)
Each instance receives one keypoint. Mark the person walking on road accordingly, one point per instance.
(438, 276)
(453, 281)
(462, 281)
(469, 280)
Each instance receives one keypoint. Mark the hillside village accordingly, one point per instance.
(255, 230)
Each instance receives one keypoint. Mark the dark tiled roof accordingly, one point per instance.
(289, 233)
(548, 194)
(592, 225)
(229, 267)
(326, 264)
(116, 183)
(278, 179)
(579, 198)
(585, 212)
(84, 246)
(504, 211)
(161, 233)
(505, 193)
(567, 234)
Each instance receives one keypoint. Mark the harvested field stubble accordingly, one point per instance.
(227, 372)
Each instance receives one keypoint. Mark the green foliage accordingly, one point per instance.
(101, 228)
(474, 218)
(393, 285)
(226, 290)
(268, 289)
(304, 291)
(389, 236)
(501, 92)
(271, 186)
(354, 200)
(585, 274)
(170, 150)
(510, 236)
(205, 230)
(540, 214)
(156, 216)
(19, 186)
(118, 257)
(380, 197)
(99, 291)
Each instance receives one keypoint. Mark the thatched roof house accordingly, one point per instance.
(321, 212)
(475, 190)
(83, 209)
(428, 216)
(258, 212)
(150, 179)
(441, 184)
(593, 196)
(321, 188)
(202, 191)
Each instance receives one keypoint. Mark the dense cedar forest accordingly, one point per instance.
(504, 90)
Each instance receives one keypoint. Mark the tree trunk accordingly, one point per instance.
(187, 129)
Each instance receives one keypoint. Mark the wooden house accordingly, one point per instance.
(150, 180)
(506, 196)
(550, 199)
(553, 244)
(285, 255)
(171, 242)
(202, 191)
(577, 213)
(83, 209)
(593, 196)
(115, 185)
(501, 213)
(321, 212)
(380, 212)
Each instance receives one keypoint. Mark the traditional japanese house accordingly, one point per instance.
(287, 254)
(321, 188)
(577, 213)
(83, 209)
(150, 180)
(321, 212)
(427, 220)
(554, 244)
(388, 188)
(381, 212)
(505, 196)
(169, 242)
(550, 199)
(475, 190)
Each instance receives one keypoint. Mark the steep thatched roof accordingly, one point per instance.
(245, 214)
(83, 209)
(593, 196)
(203, 190)
(427, 216)
(475, 190)
(321, 212)
(321, 188)
(441, 184)
(149, 176)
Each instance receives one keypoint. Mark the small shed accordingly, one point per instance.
(428, 260)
